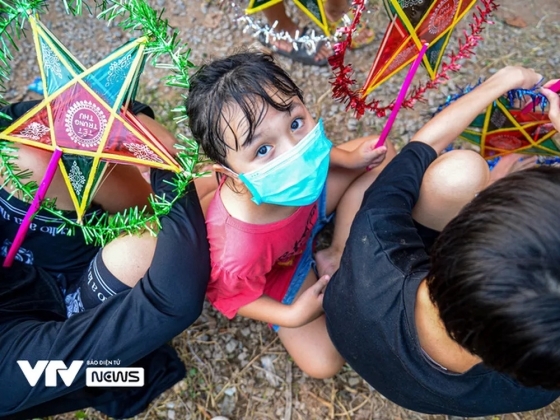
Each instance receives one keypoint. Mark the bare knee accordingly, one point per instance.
(462, 170)
(129, 257)
(324, 367)
(316, 356)
(325, 372)
(448, 185)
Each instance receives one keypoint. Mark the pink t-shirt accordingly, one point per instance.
(250, 260)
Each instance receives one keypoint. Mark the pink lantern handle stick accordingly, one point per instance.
(400, 98)
(554, 87)
(33, 207)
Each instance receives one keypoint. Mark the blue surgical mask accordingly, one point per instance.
(295, 178)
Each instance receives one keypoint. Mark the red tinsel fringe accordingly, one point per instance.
(342, 80)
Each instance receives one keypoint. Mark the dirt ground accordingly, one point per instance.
(239, 369)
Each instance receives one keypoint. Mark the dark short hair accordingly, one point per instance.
(495, 277)
(241, 79)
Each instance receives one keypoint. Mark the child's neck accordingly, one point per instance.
(433, 336)
(240, 206)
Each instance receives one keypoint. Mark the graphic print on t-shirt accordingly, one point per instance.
(23, 255)
(11, 213)
(287, 259)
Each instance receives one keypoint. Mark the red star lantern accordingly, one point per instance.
(85, 115)
(415, 22)
(501, 130)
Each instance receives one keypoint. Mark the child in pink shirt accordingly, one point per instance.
(282, 180)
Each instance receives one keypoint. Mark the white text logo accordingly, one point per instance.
(51, 368)
(107, 376)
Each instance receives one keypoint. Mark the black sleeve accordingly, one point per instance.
(382, 252)
(14, 111)
(131, 324)
(140, 108)
(387, 208)
(398, 186)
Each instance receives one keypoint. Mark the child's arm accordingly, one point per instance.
(307, 307)
(446, 126)
(364, 156)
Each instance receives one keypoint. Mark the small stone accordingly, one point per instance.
(353, 381)
(230, 391)
(231, 346)
(352, 124)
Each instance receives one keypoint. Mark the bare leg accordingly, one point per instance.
(328, 259)
(129, 257)
(335, 9)
(454, 179)
(277, 13)
(310, 345)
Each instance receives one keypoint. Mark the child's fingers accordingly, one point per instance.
(550, 83)
(319, 287)
(324, 280)
(371, 149)
(376, 162)
(554, 100)
(550, 95)
(380, 158)
(376, 155)
(526, 162)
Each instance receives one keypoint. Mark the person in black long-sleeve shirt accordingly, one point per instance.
(127, 319)
(475, 330)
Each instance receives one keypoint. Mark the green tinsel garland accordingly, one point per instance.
(164, 41)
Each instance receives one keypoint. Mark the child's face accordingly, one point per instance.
(277, 133)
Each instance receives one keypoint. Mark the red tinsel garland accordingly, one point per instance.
(342, 81)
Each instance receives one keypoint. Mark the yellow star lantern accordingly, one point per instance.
(414, 23)
(85, 114)
(501, 130)
(314, 9)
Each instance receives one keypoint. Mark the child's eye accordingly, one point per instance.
(297, 123)
(263, 150)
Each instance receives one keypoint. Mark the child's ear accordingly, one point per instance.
(216, 167)
(233, 177)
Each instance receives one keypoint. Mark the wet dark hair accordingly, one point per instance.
(495, 277)
(241, 79)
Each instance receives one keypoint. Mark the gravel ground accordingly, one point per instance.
(239, 369)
